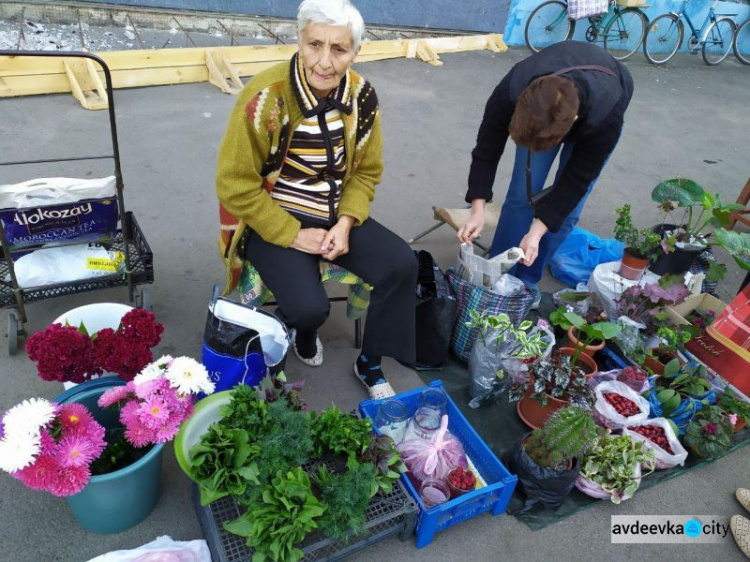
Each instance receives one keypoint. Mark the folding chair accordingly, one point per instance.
(457, 217)
(742, 200)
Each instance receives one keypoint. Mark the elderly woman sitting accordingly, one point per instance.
(297, 172)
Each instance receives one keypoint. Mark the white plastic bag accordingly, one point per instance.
(54, 191)
(163, 549)
(663, 458)
(486, 272)
(608, 416)
(63, 264)
(508, 286)
(436, 457)
(518, 369)
(609, 285)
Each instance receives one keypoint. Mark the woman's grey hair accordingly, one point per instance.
(332, 12)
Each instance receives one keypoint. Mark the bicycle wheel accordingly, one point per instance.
(548, 24)
(625, 32)
(718, 41)
(663, 38)
(742, 43)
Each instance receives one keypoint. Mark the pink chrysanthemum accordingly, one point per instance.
(151, 387)
(168, 430)
(71, 480)
(42, 475)
(113, 396)
(138, 434)
(129, 413)
(48, 443)
(153, 412)
(76, 451)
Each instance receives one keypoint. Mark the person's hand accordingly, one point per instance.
(530, 243)
(310, 240)
(472, 228)
(336, 241)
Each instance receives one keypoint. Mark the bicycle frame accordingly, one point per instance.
(700, 35)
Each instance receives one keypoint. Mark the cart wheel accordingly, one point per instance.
(143, 299)
(12, 334)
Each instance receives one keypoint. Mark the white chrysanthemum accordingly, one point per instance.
(152, 371)
(18, 451)
(28, 417)
(189, 377)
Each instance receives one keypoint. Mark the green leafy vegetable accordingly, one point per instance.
(340, 434)
(346, 497)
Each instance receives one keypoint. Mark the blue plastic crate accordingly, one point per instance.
(609, 360)
(493, 497)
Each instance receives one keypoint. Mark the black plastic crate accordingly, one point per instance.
(387, 515)
(141, 271)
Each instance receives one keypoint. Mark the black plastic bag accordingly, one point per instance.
(540, 484)
(435, 314)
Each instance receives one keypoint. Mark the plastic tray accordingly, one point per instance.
(141, 271)
(387, 515)
(607, 360)
(493, 497)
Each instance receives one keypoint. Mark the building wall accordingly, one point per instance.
(476, 15)
(697, 10)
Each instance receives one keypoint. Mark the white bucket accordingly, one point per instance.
(95, 317)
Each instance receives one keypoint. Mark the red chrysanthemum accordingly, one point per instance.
(140, 326)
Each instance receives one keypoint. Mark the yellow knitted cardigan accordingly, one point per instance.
(253, 151)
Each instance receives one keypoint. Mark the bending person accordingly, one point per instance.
(297, 169)
(570, 96)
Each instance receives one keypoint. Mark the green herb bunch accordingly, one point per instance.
(337, 433)
(384, 456)
(346, 497)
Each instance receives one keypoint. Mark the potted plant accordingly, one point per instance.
(503, 349)
(671, 338)
(613, 468)
(546, 460)
(73, 354)
(681, 392)
(640, 245)
(686, 237)
(737, 409)
(709, 435)
(588, 337)
(555, 383)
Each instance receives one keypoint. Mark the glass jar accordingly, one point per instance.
(433, 492)
(423, 425)
(435, 399)
(392, 419)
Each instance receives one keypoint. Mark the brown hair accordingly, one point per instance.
(544, 113)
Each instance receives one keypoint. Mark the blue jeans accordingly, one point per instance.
(516, 215)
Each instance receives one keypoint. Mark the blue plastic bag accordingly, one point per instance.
(580, 253)
(241, 343)
(683, 415)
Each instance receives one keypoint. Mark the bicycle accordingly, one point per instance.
(624, 29)
(715, 37)
(742, 35)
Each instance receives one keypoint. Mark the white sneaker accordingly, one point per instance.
(314, 361)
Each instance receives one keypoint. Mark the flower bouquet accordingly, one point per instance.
(70, 354)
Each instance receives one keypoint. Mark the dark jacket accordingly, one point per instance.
(603, 101)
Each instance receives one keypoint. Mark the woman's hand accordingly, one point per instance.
(472, 228)
(310, 240)
(336, 241)
(530, 243)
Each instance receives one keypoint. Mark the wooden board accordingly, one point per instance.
(20, 76)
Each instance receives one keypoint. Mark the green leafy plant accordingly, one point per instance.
(641, 243)
(346, 497)
(223, 463)
(280, 518)
(383, 455)
(587, 333)
(245, 411)
(613, 463)
(731, 404)
(710, 433)
(679, 384)
(737, 245)
(338, 433)
(556, 377)
(675, 336)
(495, 330)
(567, 434)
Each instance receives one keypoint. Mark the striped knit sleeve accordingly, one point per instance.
(359, 190)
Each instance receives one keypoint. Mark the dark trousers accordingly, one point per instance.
(376, 255)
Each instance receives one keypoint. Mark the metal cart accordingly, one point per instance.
(138, 266)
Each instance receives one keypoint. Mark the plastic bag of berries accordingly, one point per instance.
(659, 435)
(635, 378)
(617, 405)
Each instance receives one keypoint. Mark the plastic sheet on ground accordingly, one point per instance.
(500, 427)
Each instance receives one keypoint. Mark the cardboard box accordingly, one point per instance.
(702, 303)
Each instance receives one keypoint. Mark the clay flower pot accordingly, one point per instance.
(575, 342)
(585, 361)
(534, 414)
(631, 267)
(656, 363)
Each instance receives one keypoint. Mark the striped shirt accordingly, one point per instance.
(310, 182)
